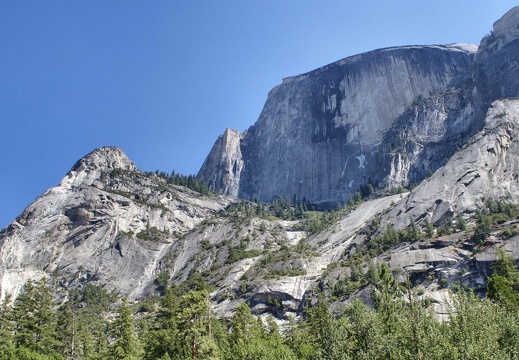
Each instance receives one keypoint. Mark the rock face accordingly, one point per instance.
(497, 67)
(387, 118)
(318, 133)
(97, 225)
(488, 166)
(225, 163)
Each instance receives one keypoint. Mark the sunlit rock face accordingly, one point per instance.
(387, 118)
(445, 118)
(497, 70)
(434, 129)
(486, 167)
(91, 227)
(318, 132)
(223, 166)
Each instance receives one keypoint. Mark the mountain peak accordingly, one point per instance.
(91, 167)
(505, 30)
(507, 25)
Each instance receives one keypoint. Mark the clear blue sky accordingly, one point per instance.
(162, 79)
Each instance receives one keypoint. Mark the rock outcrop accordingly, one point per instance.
(225, 163)
(318, 133)
(387, 118)
(106, 222)
(488, 166)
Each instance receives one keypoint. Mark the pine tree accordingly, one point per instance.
(483, 227)
(461, 224)
(241, 328)
(330, 336)
(194, 327)
(125, 346)
(161, 339)
(6, 329)
(67, 333)
(503, 285)
(35, 320)
(367, 331)
(389, 304)
(429, 228)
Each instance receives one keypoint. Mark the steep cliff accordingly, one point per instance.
(318, 132)
(486, 167)
(387, 118)
(431, 130)
(225, 163)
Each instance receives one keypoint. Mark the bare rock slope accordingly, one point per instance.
(105, 222)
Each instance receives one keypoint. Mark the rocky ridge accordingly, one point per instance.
(88, 227)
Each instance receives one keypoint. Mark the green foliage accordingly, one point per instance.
(189, 181)
(194, 327)
(35, 320)
(183, 326)
(445, 229)
(384, 242)
(503, 285)
(509, 232)
(162, 280)
(153, 234)
(461, 223)
(429, 228)
(483, 227)
(495, 212)
(330, 337)
(237, 253)
(161, 339)
(125, 345)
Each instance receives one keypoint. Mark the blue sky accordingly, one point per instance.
(162, 79)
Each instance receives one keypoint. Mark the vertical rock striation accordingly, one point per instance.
(386, 118)
(224, 164)
(318, 132)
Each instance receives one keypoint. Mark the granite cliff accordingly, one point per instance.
(387, 118)
(319, 132)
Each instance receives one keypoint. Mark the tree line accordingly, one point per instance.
(91, 323)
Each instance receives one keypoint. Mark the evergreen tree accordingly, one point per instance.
(242, 324)
(429, 228)
(412, 233)
(474, 329)
(461, 224)
(367, 331)
(483, 227)
(35, 320)
(6, 329)
(161, 339)
(503, 285)
(67, 333)
(330, 336)
(389, 303)
(125, 344)
(298, 338)
(194, 327)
